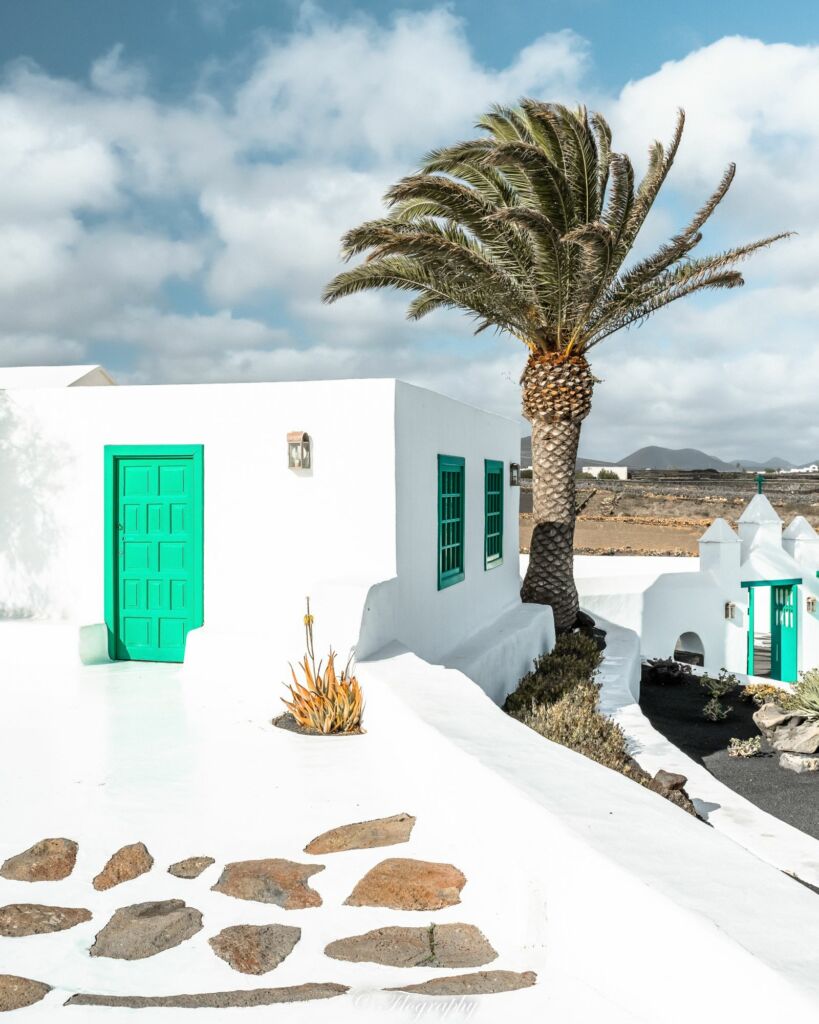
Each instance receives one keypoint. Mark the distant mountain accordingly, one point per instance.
(774, 463)
(656, 457)
(582, 463)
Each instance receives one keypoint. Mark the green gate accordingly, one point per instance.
(784, 627)
(784, 633)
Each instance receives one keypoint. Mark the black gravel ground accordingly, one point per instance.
(676, 711)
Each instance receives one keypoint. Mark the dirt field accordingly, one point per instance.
(667, 513)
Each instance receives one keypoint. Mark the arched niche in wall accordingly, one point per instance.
(689, 648)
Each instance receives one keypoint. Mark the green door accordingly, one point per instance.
(154, 582)
(784, 633)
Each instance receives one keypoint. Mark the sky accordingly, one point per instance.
(176, 175)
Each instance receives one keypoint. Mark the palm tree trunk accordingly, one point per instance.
(556, 399)
(550, 576)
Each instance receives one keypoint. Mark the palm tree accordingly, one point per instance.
(527, 229)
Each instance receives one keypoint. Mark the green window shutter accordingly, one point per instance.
(493, 513)
(451, 520)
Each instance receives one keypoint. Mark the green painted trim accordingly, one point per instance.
(771, 583)
(751, 631)
(785, 652)
(492, 466)
(452, 576)
(112, 453)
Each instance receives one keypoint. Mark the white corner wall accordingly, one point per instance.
(660, 606)
(428, 621)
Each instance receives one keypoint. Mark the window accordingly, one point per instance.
(450, 520)
(493, 513)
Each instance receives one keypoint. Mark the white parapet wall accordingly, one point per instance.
(634, 889)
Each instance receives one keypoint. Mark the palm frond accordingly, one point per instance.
(527, 230)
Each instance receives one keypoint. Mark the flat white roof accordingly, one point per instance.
(12, 377)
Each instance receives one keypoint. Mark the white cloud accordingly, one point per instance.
(746, 101)
(215, 13)
(39, 350)
(111, 74)
(372, 93)
(111, 196)
(179, 337)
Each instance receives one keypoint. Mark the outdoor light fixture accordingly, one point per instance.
(514, 474)
(730, 609)
(298, 450)
(811, 603)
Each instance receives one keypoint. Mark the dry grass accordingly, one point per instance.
(573, 721)
(761, 693)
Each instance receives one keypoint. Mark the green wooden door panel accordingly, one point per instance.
(154, 550)
(784, 633)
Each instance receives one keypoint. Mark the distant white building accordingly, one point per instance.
(621, 472)
(158, 519)
(751, 607)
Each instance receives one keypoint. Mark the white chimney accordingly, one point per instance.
(759, 526)
(720, 551)
(801, 542)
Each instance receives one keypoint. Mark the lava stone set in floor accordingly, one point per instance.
(146, 929)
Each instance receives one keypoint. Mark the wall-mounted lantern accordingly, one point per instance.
(730, 610)
(514, 474)
(811, 603)
(298, 450)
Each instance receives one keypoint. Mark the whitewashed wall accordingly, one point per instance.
(660, 607)
(272, 535)
(808, 623)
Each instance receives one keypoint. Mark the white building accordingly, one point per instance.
(620, 472)
(749, 606)
(165, 523)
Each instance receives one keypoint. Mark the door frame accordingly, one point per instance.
(751, 585)
(113, 454)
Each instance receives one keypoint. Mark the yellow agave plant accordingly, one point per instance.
(326, 703)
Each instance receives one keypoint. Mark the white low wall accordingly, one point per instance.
(764, 835)
(620, 860)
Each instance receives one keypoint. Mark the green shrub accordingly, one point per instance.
(805, 698)
(607, 474)
(574, 660)
(717, 687)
